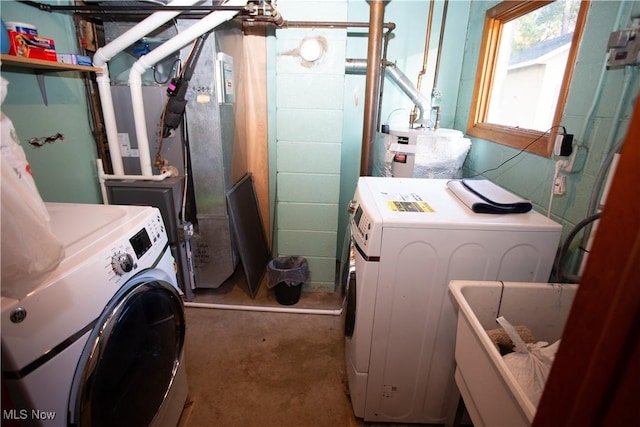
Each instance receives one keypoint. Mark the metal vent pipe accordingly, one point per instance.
(359, 66)
(372, 89)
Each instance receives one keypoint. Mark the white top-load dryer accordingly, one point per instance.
(411, 237)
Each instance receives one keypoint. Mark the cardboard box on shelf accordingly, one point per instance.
(30, 46)
(65, 58)
(74, 58)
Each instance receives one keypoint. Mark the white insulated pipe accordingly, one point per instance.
(105, 54)
(145, 62)
(103, 177)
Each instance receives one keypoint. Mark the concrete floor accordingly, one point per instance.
(255, 368)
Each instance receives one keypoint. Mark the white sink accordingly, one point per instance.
(490, 392)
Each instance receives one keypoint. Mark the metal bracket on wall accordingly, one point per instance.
(42, 67)
(43, 91)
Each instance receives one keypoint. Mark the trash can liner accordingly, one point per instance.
(290, 270)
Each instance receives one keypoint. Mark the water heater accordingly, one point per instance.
(427, 153)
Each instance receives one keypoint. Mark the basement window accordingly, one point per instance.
(526, 62)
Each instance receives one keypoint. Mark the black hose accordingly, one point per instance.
(561, 258)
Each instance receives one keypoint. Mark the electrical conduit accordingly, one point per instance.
(105, 54)
(145, 62)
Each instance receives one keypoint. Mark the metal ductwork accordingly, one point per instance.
(105, 54)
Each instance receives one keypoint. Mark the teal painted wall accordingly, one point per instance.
(406, 49)
(528, 175)
(66, 170)
(531, 175)
(308, 137)
(316, 114)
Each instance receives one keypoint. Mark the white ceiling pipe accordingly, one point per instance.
(145, 62)
(104, 55)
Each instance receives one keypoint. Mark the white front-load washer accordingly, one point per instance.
(100, 341)
(411, 237)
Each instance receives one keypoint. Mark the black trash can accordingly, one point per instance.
(286, 277)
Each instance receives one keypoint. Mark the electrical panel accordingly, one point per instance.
(226, 85)
(624, 48)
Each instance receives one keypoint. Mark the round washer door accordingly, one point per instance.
(131, 357)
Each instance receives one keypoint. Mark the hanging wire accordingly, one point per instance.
(522, 150)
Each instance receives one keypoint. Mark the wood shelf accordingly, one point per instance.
(38, 64)
(41, 67)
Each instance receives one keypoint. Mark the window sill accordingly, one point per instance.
(532, 141)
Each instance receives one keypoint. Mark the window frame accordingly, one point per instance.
(516, 137)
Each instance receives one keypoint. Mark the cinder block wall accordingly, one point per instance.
(309, 120)
(530, 175)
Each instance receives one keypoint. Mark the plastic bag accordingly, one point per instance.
(30, 250)
(530, 363)
(440, 157)
(290, 270)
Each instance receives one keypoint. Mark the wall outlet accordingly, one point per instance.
(559, 185)
(567, 165)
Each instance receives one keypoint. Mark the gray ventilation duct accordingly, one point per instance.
(359, 66)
